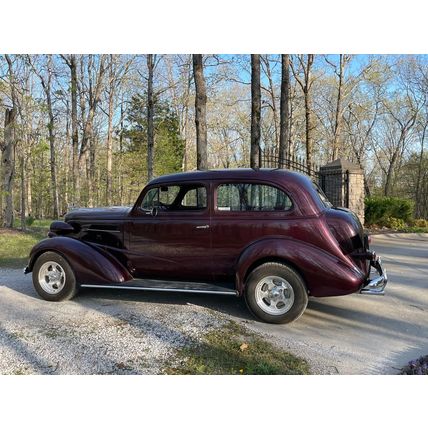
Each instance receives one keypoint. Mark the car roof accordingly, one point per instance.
(268, 174)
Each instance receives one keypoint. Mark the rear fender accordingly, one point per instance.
(90, 265)
(323, 273)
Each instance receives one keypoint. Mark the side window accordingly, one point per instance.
(251, 197)
(176, 198)
(168, 194)
(151, 199)
(195, 198)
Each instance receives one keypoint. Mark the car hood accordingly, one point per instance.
(110, 213)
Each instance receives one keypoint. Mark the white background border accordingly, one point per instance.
(195, 26)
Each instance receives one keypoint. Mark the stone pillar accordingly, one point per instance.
(343, 184)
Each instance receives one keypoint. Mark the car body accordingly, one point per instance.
(271, 231)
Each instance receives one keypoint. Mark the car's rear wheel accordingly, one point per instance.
(53, 278)
(276, 293)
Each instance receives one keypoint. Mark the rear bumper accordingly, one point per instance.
(377, 284)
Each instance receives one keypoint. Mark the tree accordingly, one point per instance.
(93, 90)
(8, 148)
(284, 131)
(306, 62)
(116, 74)
(339, 70)
(267, 70)
(255, 111)
(150, 115)
(168, 153)
(71, 62)
(46, 82)
(200, 112)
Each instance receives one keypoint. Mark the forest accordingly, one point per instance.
(92, 130)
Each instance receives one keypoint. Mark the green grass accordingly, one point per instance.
(414, 229)
(37, 223)
(15, 246)
(234, 350)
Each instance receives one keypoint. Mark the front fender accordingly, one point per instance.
(323, 273)
(91, 265)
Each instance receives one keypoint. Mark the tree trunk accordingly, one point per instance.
(111, 95)
(122, 126)
(74, 128)
(336, 149)
(284, 133)
(418, 195)
(306, 84)
(23, 196)
(8, 165)
(47, 88)
(51, 132)
(255, 111)
(150, 117)
(389, 175)
(308, 129)
(88, 143)
(200, 112)
(8, 150)
(271, 91)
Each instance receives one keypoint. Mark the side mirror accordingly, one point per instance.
(154, 212)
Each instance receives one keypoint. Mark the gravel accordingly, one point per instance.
(96, 333)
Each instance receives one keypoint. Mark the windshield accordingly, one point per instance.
(322, 196)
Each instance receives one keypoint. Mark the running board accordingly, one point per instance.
(178, 286)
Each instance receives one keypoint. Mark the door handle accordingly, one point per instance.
(205, 226)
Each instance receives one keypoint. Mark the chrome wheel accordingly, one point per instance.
(51, 277)
(274, 295)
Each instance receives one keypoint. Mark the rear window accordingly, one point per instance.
(322, 196)
(251, 197)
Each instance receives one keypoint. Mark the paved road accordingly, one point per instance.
(100, 329)
(361, 334)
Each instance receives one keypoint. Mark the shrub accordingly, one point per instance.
(381, 210)
(393, 223)
(420, 222)
(29, 220)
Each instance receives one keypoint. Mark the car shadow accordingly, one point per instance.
(226, 305)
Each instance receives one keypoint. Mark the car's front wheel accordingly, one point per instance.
(53, 277)
(276, 293)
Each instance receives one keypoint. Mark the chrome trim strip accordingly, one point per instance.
(179, 290)
(100, 230)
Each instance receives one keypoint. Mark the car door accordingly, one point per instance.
(243, 213)
(170, 236)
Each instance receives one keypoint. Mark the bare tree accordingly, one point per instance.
(71, 62)
(151, 59)
(339, 70)
(200, 112)
(255, 111)
(284, 133)
(46, 82)
(305, 84)
(8, 148)
(266, 67)
(94, 96)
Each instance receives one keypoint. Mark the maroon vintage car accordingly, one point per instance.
(268, 235)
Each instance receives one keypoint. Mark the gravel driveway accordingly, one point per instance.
(97, 332)
(109, 331)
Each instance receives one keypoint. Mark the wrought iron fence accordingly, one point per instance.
(269, 158)
(333, 182)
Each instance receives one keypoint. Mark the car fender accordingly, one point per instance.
(324, 274)
(90, 264)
